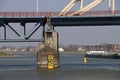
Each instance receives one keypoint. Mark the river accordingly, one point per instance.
(23, 67)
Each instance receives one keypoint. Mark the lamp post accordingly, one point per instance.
(37, 6)
(109, 4)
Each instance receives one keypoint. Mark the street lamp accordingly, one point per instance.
(37, 6)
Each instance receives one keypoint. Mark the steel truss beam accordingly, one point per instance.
(22, 40)
(33, 32)
(13, 30)
(83, 9)
(4, 22)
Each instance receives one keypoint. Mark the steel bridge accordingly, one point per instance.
(90, 18)
(64, 18)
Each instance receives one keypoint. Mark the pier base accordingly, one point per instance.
(48, 55)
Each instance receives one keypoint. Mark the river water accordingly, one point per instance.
(23, 67)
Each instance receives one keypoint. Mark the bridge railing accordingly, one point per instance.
(96, 13)
(40, 14)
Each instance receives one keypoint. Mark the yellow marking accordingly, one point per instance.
(50, 62)
(85, 60)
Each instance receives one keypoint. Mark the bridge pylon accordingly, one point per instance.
(48, 54)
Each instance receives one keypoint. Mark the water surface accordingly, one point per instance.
(72, 67)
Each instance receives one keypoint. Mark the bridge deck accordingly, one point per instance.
(89, 18)
(68, 21)
(26, 20)
(85, 21)
(93, 19)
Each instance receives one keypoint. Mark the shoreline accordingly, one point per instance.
(72, 52)
(6, 55)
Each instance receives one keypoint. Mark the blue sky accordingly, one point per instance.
(67, 35)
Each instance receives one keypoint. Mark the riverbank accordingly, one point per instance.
(72, 52)
(5, 55)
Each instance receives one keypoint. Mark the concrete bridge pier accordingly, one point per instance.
(48, 55)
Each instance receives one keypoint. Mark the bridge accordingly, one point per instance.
(49, 20)
(90, 18)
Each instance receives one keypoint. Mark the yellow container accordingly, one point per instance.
(50, 62)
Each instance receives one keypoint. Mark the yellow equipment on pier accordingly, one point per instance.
(50, 62)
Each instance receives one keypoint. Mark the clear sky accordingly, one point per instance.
(67, 35)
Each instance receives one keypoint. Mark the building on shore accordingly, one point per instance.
(61, 50)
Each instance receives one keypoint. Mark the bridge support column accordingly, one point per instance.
(49, 48)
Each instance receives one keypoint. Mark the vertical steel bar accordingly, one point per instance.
(44, 32)
(24, 30)
(5, 32)
(109, 4)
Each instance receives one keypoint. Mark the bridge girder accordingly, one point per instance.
(5, 22)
